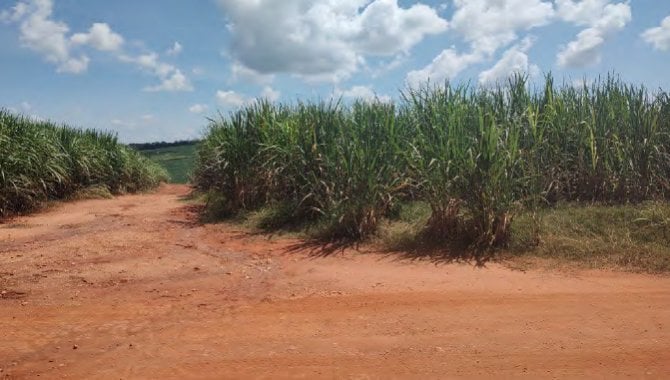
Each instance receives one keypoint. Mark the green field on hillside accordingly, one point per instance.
(177, 160)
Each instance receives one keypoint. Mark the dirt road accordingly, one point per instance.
(133, 288)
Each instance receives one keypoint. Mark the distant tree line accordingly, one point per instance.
(162, 144)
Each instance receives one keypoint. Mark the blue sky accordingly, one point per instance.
(155, 70)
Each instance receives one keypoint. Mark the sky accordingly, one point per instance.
(158, 70)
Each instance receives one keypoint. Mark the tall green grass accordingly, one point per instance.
(477, 156)
(41, 161)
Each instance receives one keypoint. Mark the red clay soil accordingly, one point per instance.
(134, 288)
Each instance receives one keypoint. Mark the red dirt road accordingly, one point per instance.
(132, 288)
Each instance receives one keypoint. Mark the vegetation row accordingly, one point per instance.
(41, 161)
(477, 156)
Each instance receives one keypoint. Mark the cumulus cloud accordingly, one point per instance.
(100, 36)
(581, 12)
(514, 60)
(230, 99)
(270, 94)
(74, 65)
(25, 106)
(489, 25)
(39, 32)
(486, 26)
(445, 66)
(174, 82)
(603, 20)
(176, 49)
(365, 93)
(45, 36)
(172, 79)
(659, 37)
(327, 40)
(241, 72)
(198, 108)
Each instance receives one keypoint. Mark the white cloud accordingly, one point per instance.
(174, 82)
(581, 12)
(74, 65)
(14, 14)
(230, 99)
(365, 93)
(270, 94)
(100, 36)
(50, 38)
(172, 79)
(150, 62)
(386, 29)
(148, 118)
(26, 107)
(386, 67)
(326, 40)
(41, 34)
(198, 108)
(603, 19)
(241, 72)
(176, 49)
(659, 37)
(489, 25)
(514, 60)
(444, 67)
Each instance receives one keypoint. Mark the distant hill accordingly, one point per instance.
(162, 144)
(178, 158)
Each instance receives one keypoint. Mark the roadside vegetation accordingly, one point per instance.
(484, 162)
(42, 161)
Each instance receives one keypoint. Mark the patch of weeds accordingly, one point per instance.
(629, 237)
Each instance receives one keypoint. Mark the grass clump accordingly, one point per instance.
(631, 237)
(42, 161)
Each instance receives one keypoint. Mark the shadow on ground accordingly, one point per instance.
(410, 250)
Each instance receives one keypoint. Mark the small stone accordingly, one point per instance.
(196, 268)
(74, 347)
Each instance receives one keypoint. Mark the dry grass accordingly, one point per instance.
(628, 237)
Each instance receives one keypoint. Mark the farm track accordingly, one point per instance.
(134, 288)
